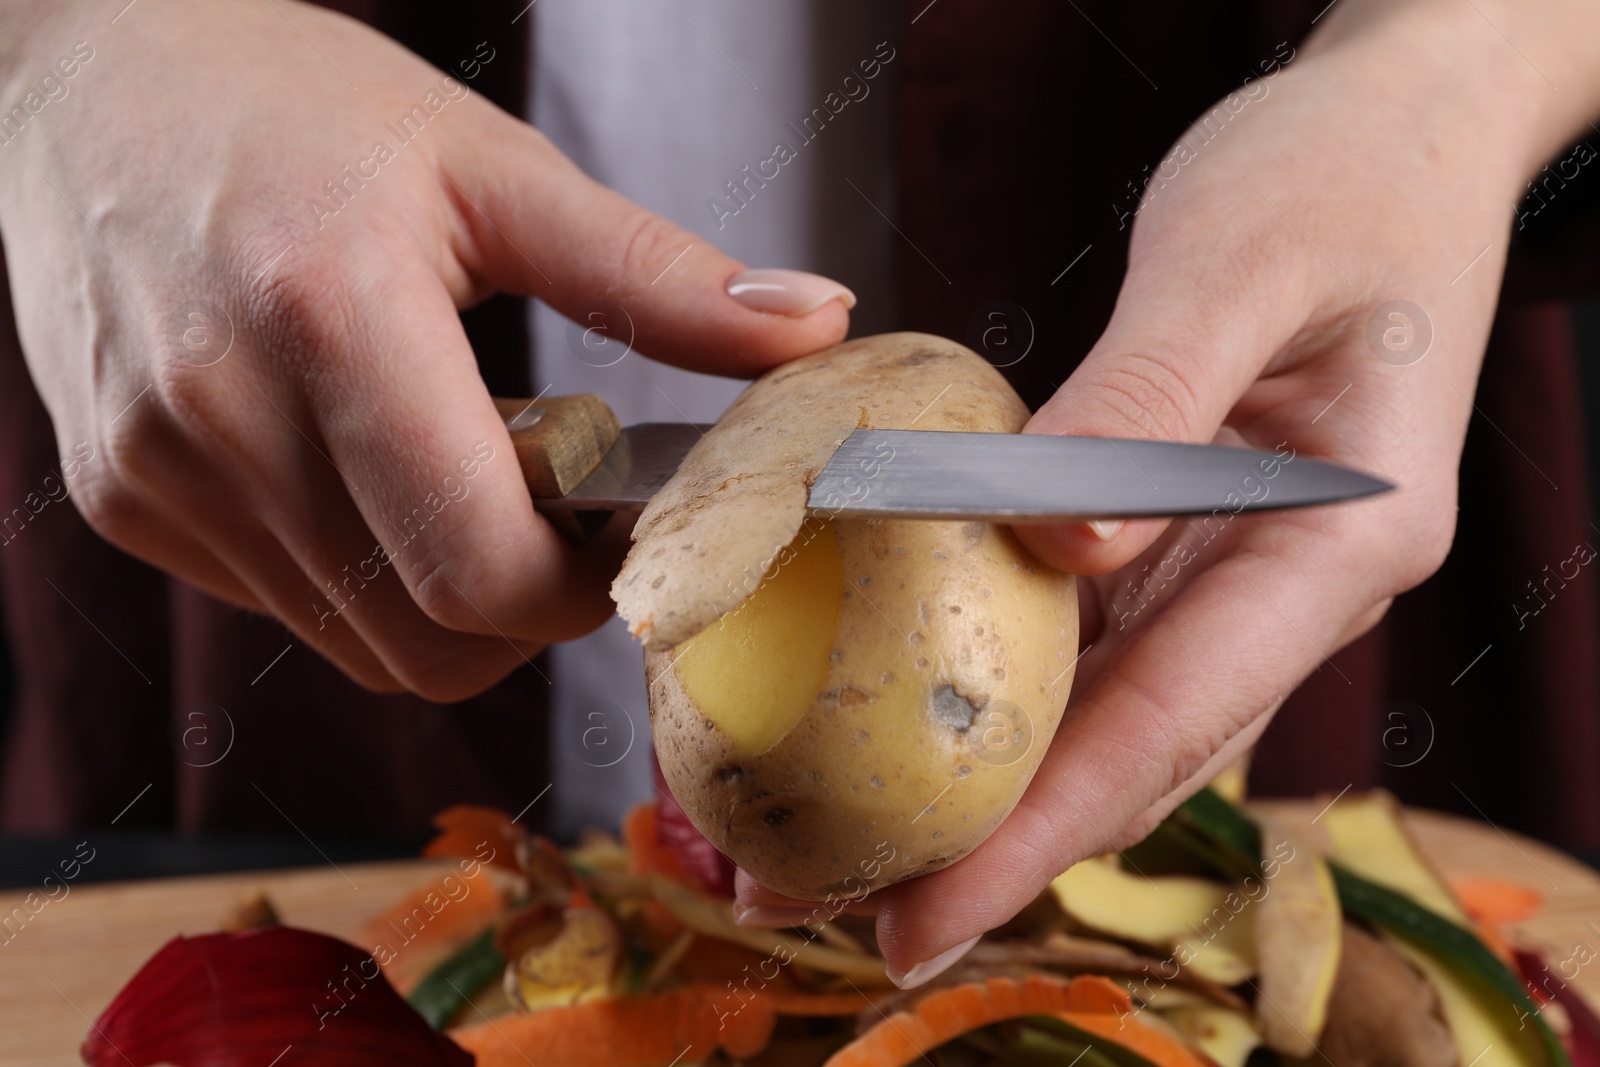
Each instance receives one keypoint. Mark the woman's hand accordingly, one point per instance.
(1380, 166)
(238, 236)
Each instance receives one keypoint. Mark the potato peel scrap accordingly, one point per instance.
(693, 562)
(1298, 926)
(1382, 1011)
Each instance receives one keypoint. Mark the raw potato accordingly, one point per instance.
(885, 690)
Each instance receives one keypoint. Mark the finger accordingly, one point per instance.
(1229, 754)
(332, 585)
(289, 593)
(1222, 655)
(276, 514)
(1112, 607)
(218, 509)
(1184, 344)
(756, 905)
(535, 224)
(269, 580)
(414, 440)
(139, 529)
(154, 482)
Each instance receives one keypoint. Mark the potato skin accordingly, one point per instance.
(704, 541)
(903, 764)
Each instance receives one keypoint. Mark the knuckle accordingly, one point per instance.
(184, 397)
(532, 139)
(337, 638)
(432, 579)
(287, 309)
(126, 454)
(1366, 621)
(1391, 553)
(1151, 396)
(1428, 546)
(1193, 748)
(1399, 552)
(1139, 828)
(1186, 740)
(363, 669)
(374, 681)
(1260, 250)
(453, 675)
(651, 242)
(110, 509)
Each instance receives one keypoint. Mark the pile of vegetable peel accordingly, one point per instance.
(1222, 938)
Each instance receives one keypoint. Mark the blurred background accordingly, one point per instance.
(977, 192)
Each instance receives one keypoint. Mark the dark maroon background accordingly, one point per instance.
(1019, 127)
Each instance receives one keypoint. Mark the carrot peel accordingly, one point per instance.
(682, 1025)
(466, 831)
(1495, 900)
(1090, 1003)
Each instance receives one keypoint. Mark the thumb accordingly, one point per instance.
(538, 226)
(1170, 366)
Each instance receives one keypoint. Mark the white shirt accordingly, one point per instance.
(665, 101)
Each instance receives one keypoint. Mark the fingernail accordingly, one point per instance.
(769, 918)
(933, 968)
(1106, 529)
(786, 292)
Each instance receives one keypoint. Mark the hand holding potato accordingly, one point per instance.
(1379, 167)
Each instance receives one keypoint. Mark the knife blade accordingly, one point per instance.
(1011, 478)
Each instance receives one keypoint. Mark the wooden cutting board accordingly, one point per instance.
(60, 970)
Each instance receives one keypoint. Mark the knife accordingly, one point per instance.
(578, 459)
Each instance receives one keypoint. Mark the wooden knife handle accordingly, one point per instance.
(559, 440)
